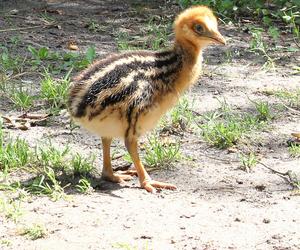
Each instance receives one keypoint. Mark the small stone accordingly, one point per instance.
(266, 221)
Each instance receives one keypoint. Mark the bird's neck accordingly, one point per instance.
(191, 65)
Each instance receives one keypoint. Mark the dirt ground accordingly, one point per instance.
(217, 205)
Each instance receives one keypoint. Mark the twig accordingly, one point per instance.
(26, 28)
(288, 176)
(291, 109)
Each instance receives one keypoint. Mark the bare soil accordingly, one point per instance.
(217, 205)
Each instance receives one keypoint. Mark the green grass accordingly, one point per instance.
(182, 115)
(154, 36)
(34, 232)
(248, 161)
(55, 91)
(224, 128)
(11, 208)
(289, 97)
(294, 150)
(84, 186)
(53, 169)
(159, 154)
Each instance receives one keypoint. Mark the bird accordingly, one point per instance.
(124, 95)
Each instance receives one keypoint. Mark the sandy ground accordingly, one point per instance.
(217, 205)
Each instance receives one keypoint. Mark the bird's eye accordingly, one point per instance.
(198, 28)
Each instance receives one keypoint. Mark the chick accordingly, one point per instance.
(124, 95)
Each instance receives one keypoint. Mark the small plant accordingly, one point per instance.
(55, 91)
(258, 46)
(159, 154)
(93, 26)
(52, 157)
(47, 184)
(81, 166)
(21, 98)
(84, 186)
(34, 232)
(223, 128)
(290, 97)
(264, 111)
(294, 150)
(13, 154)
(39, 54)
(9, 62)
(11, 208)
(248, 161)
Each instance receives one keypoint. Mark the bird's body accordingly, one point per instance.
(124, 95)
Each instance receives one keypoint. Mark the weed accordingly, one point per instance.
(21, 98)
(290, 97)
(123, 41)
(52, 157)
(55, 91)
(264, 111)
(158, 33)
(224, 128)
(159, 154)
(248, 161)
(294, 150)
(11, 208)
(47, 184)
(82, 166)
(258, 46)
(13, 154)
(95, 27)
(8, 62)
(34, 232)
(84, 186)
(5, 242)
(39, 54)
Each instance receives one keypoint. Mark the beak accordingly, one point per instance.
(218, 38)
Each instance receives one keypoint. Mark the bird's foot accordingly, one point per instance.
(151, 185)
(118, 178)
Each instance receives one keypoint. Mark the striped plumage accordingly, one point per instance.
(124, 95)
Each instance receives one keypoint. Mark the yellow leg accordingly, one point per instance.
(107, 171)
(145, 180)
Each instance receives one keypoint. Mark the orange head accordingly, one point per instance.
(197, 27)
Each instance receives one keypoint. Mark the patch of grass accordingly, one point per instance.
(13, 153)
(21, 98)
(224, 128)
(81, 166)
(290, 97)
(94, 26)
(264, 110)
(9, 62)
(55, 91)
(154, 36)
(248, 161)
(47, 184)
(158, 154)
(52, 157)
(34, 232)
(5, 242)
(46, 162)
(84, 186)
(294, 150)
(259, 46)
(56, 62)
(11, 208)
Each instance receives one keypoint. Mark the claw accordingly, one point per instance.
(151, 185)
